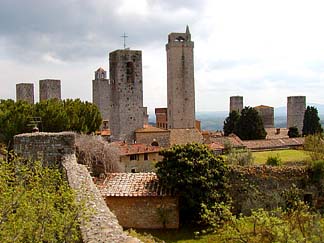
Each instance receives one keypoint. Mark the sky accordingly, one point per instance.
(260, 49)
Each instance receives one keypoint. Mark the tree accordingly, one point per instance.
(197, 176)
(56, 116)
(36, 204)
(293, 132)
(231, 122)
(250, 125)
(14, 119)
(311, 124)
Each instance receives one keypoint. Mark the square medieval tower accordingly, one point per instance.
(180, 76)
(126, 89)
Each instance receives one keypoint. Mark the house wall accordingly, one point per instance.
(140, 164)
(145, 212)
(163, 138)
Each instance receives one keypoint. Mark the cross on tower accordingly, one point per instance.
(124, 36)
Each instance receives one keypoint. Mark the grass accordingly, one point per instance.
(286, 156)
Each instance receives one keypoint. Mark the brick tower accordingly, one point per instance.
(126, 88)
(101, 93)
(180, 76)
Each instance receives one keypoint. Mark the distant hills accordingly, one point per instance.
(214, 120)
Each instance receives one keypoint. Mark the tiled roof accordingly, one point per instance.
(136, 148)
(273, 143)
(235, 141)
(215, 146)
(151, 129)
(132, 185)
(262, 106)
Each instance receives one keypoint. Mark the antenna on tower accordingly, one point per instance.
(124, 36)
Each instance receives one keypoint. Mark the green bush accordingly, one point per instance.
(274, 160)
(241, 157)
(317, 170)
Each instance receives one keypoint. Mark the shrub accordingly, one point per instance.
(293, 132)
(317, 170)
(314, 145)
(241, 157)
(274, 160)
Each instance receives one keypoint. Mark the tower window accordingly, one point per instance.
(130, 74)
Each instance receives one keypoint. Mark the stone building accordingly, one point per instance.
(139, 201)
(49, 89)
(25, 92)
(180, 80)
(236, 103)
(296, 106)
(126, 90)
(153, 136)
(101, 93)
(137, 157)
(267, 115)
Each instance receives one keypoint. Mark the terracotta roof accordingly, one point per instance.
(136, 148)
(273, 143)
(235, 141)
(263, 106)
(100, 69)
(215, 146)
(132, 185)
(151, 129)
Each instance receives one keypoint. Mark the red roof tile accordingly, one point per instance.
(132, 185)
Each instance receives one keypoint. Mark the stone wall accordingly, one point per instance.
(264, 186)
(184, 136)
(145, 212)
(101, 225)
(47, 147)
(161, 137)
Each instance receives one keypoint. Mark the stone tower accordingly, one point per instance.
(101, 93)
(49, 89)
(25, 92)
(267, 115)
(126, 89)
(296, 106)
(236, 103)
(180, 76)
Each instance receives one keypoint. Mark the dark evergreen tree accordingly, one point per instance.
(293, 132)
(197, 176)
(311, 123)
(230, 122)
(250, 125)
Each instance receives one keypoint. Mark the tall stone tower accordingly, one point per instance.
(236, 103)
(49, 89)
(180, 76)
(25, 92)
(267, 115)
(296, 106)
(126, 88)
(101, 93)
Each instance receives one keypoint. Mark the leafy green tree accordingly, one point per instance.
(198, 177)
(311, 124)
(231, 122)
(250, 125)
(293, 132)
(53, 115)
(36, 204)
(56, 116)
(14, 119)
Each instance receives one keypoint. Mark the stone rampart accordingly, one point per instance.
(101, 225)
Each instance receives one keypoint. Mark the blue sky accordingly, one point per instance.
(260, 49)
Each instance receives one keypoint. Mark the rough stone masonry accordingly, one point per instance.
(102, 225)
